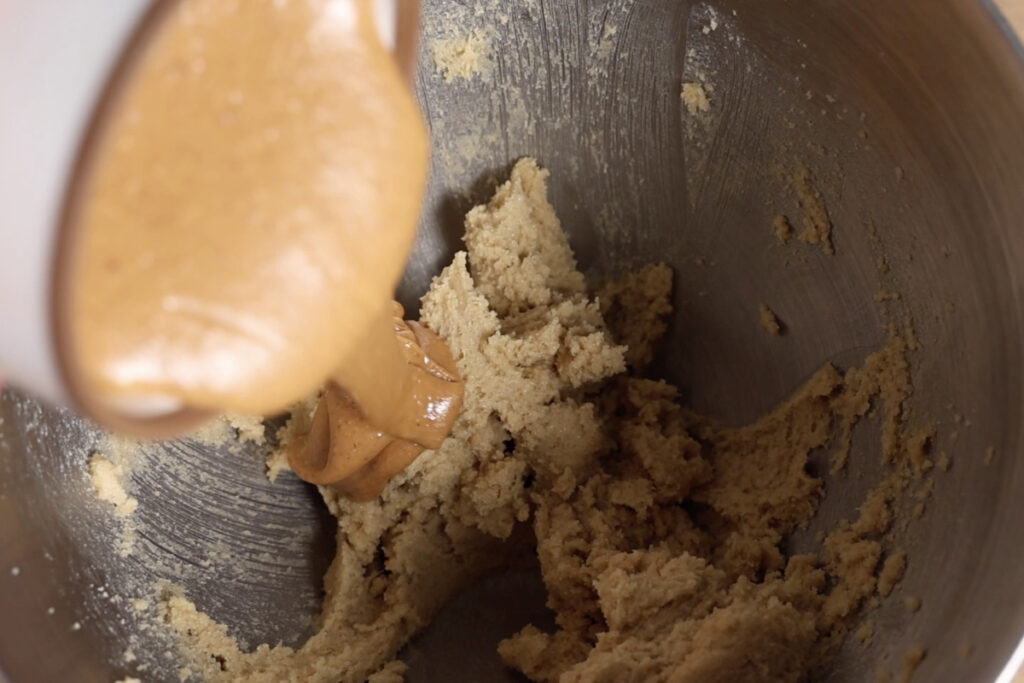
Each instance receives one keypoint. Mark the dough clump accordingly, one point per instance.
(659, 532)
(107, 479)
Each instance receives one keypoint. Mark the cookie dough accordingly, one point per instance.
(660, 532)
(817, 225)
(695, 97)
(107, 480)
(463, 57)
(768, 320)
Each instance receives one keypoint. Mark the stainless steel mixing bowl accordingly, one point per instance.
(910, 115)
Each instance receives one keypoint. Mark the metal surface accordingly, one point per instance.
(910, 115)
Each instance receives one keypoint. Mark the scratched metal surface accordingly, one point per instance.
(917, 108)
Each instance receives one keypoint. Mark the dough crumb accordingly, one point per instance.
(912, 659)
(128, 679)
(865, 631)
(106, 480)
(782, 229)
(966, 650)
(277, 462)
(695, 97)
(912, 603)
(126, 545)
(462, 57)
(990, 455)
(817, 225)
(892, 572)
(712, 24)
(636, 307)
(249, 428)
(769, 321)
(944, 462)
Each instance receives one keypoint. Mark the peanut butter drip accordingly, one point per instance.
(358, 451)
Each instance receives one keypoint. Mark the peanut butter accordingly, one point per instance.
(342, 448)
(248, 207)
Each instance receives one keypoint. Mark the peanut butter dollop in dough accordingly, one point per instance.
(247, 211)
(342, 448)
